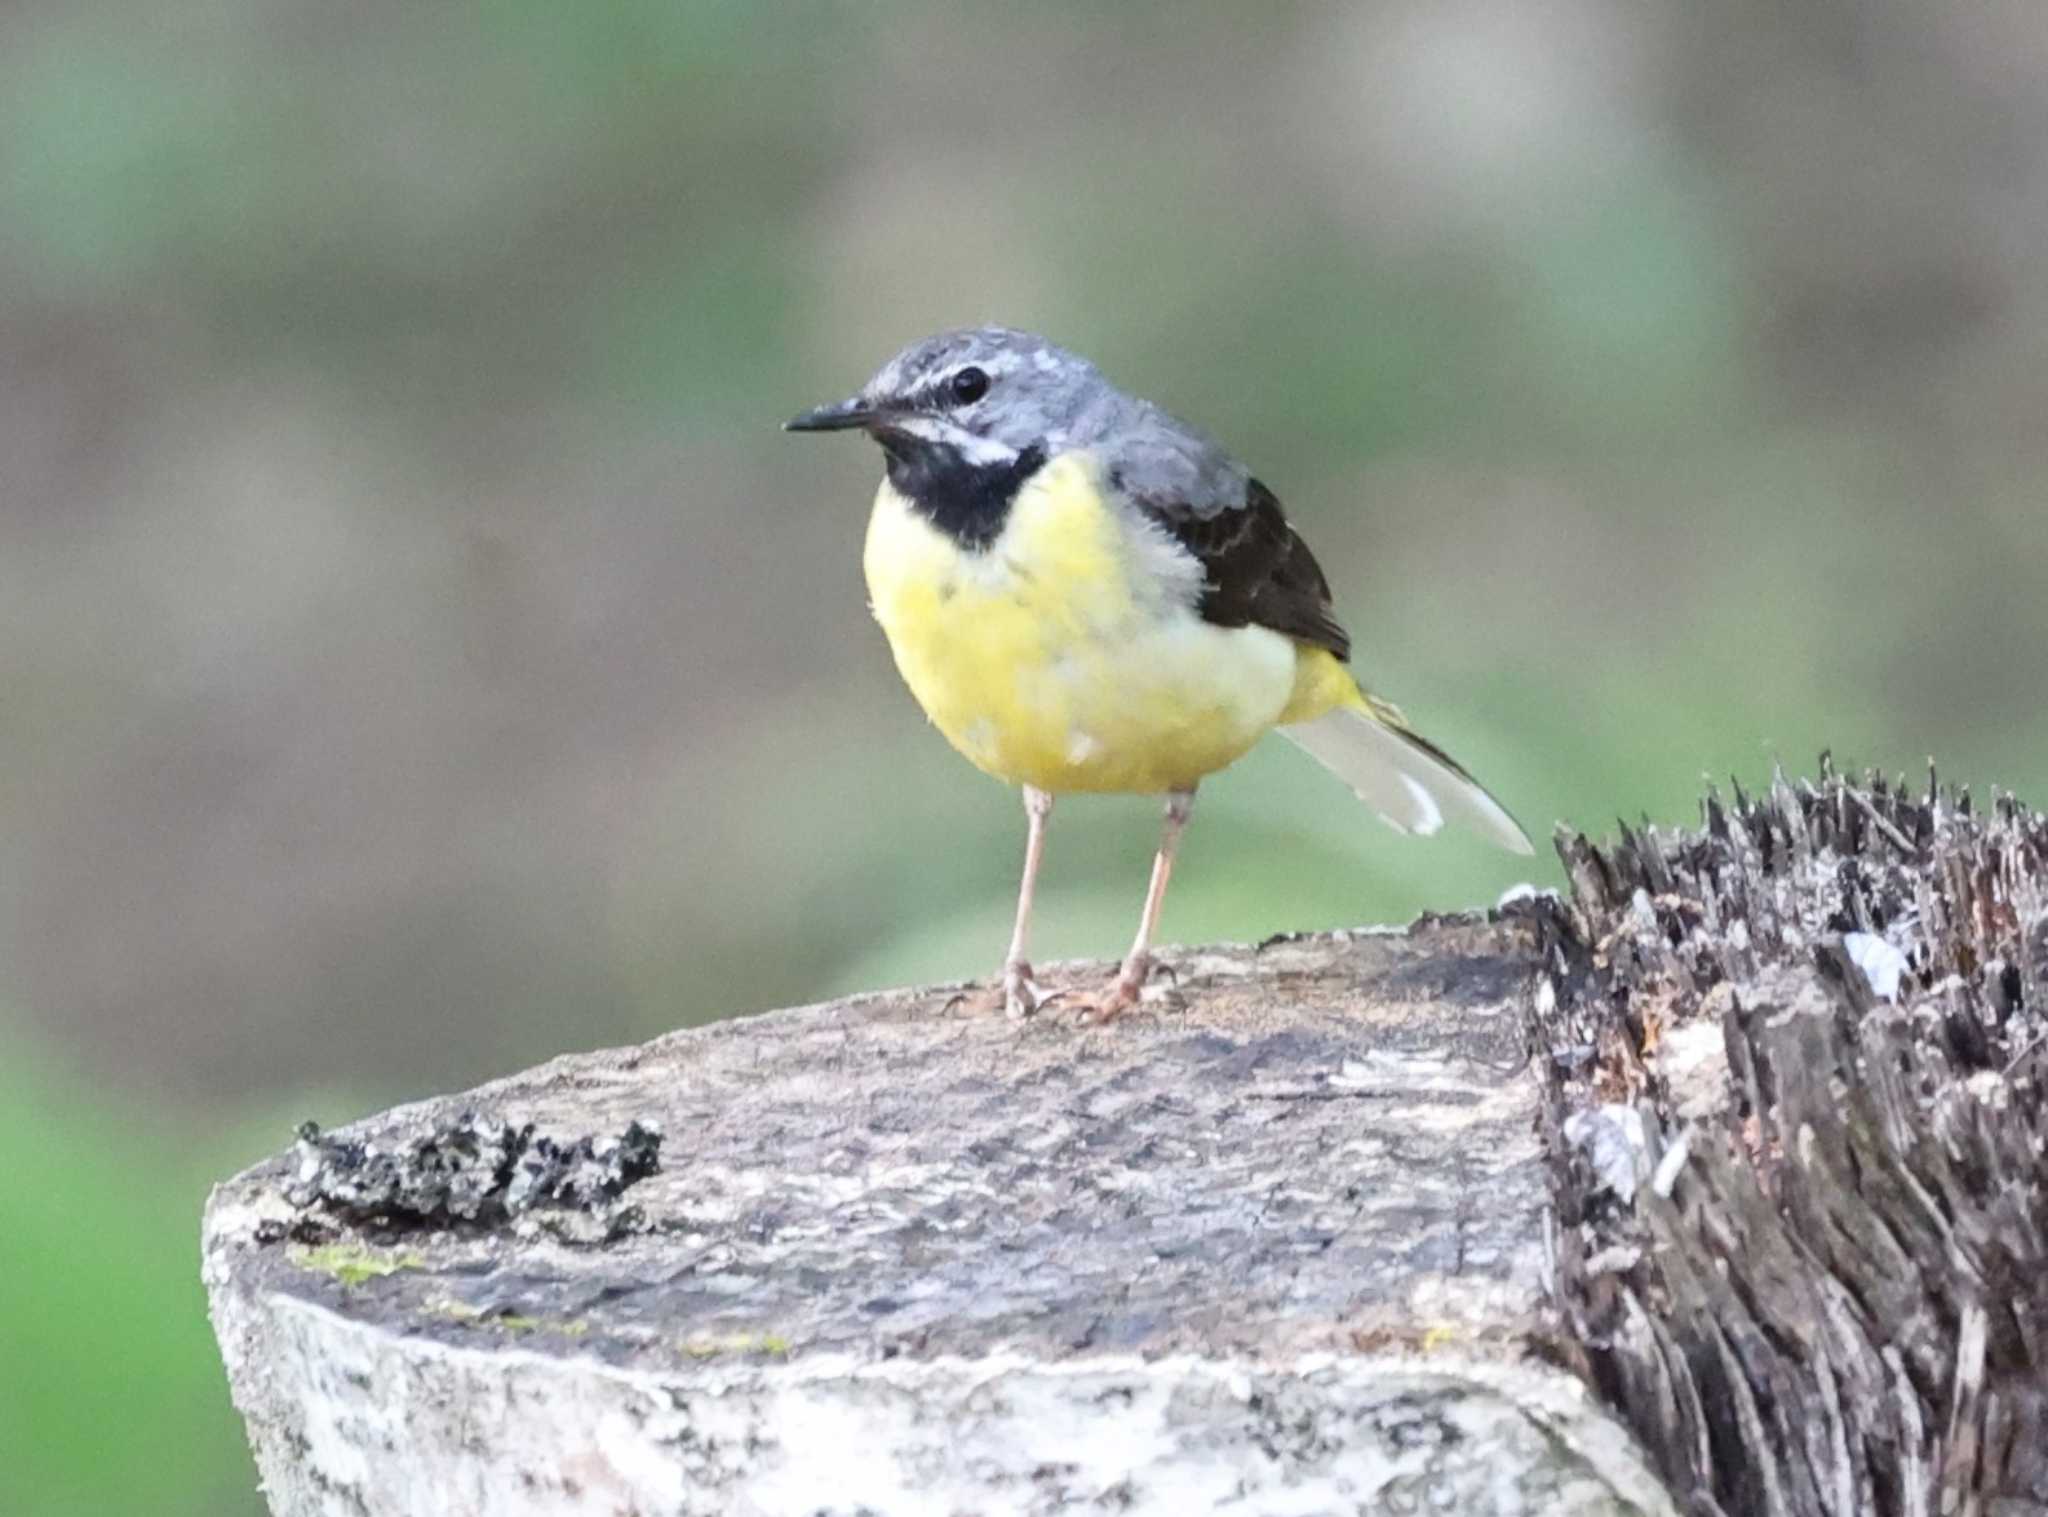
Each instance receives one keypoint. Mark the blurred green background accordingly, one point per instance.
(425, 654)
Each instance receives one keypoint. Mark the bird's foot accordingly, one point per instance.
(1110, 1002)
(1021, 995)
(1016, 994)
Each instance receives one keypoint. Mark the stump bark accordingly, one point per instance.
(1715, 1187)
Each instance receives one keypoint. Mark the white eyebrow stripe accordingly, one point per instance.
(976, 450)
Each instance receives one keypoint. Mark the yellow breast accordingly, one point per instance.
(1067, 655)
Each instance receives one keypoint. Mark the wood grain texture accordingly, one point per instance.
(1835, 1303)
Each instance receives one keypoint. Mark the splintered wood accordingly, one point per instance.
(1797, 1062)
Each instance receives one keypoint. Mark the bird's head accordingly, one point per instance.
(985, 395)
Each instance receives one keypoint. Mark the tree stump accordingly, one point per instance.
(1744, 1139)
(1277, 1243)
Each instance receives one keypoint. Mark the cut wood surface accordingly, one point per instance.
(1276, 1241)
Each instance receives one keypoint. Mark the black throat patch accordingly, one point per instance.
(968, 502)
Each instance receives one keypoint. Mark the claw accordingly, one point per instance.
(1092, 1007)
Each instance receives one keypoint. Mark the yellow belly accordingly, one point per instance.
(1058, 658)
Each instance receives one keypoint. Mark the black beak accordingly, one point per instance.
(842, 417)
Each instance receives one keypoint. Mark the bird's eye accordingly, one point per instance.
(969, 385)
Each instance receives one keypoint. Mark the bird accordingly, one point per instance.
(1088, 595)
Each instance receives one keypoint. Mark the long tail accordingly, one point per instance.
(1407, 779)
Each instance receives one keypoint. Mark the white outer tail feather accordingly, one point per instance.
(1410, 787)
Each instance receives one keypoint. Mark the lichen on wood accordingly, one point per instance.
(1822, 1291)
(467, 1170)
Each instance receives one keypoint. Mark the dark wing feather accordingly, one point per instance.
(1258, 570)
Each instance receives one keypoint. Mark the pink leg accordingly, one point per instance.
(1021, 995)
(1123, 991)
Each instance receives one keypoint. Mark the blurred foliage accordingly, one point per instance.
(428, 655)
(111, 1400)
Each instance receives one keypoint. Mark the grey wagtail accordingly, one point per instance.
(1086, 594)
